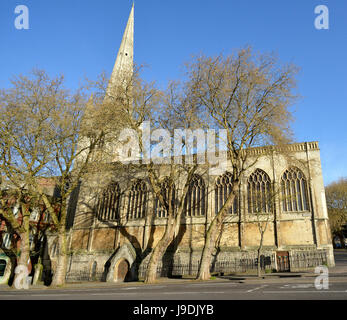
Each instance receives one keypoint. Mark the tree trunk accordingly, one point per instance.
(204, 268)
(38, 273)
(24, 249)
(158, 252)
(210, 238)
(60, 272)
(259, 265)
(24, 244)
(24, 254)
(259, 254)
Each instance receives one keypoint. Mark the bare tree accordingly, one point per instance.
(132, 103)
(41, 130)
(178, 111)
(17, 226)
(248, 95)
(24, 215)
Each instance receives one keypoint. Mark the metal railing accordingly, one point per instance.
(298, 261)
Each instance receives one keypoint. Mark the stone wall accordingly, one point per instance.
(186, 263)
(305, 235)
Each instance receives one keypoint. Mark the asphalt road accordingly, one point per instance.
(226, 290)
(287, 288)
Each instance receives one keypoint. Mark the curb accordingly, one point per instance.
(164, 281)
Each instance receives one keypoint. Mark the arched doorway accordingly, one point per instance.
(121, 270)
(122, 262)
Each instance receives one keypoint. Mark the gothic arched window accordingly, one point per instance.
(259, 192)
(137, 200)
(222, 191)
(109, 203)
(159, 210)
(294, 190)
(6, 239)
(194, 203)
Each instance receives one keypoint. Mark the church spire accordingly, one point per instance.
(125, 57)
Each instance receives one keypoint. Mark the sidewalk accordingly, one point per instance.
(90, 284)
(240, 278)
(276, 275)
(339, 274)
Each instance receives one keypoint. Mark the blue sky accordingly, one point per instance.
(81, 38)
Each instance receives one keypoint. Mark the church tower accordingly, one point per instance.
(124, 64)
(122, 72)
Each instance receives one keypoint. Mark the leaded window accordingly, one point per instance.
(294, 191)
(259, 193)
(108, 205)
(159, 210)
(222, 190)
(195, 201)
(34, 215)
(137, 200)
(6, 240)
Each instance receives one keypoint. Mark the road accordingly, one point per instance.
(271, 288)
(221, 290)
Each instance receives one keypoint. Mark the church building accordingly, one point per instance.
(111, 238)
